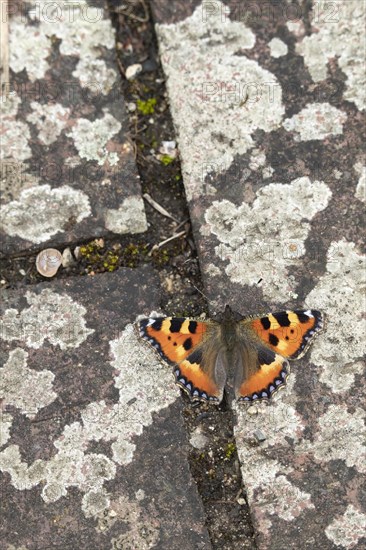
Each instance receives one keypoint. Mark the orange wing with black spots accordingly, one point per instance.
(262, 374)
(177, 340)
(257, 347)
(174, 338)
(288, 333)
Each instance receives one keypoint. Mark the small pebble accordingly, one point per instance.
(133, 70)
(259, 435)
(198, 440)
(67, 258)
(77, 252)
(149, 65)
(22, 272)
(168, 148)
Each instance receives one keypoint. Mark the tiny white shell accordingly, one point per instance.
(67, 258)
(48, 261)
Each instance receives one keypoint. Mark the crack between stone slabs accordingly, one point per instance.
(215, 466)
(223, 495)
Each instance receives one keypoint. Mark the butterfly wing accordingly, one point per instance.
(185, 343)
(288, 333)
(260, 372)
(262, 359)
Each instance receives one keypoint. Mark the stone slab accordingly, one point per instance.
(67, 164)
(93, 448)
(269, 107)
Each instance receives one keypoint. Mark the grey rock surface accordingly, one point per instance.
(93, 449)
(67, 164)
(268, 105)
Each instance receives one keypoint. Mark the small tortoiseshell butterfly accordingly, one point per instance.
(248, 353)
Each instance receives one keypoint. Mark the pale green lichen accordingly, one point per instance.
(278, 47)
(341, 435)
(339, 30)
(316, 121)
(94, 75)
(91, 138)
(72, 465)
(15, 133)
(29, 49)
(41, 212)
(128, 218)
(49, 120)
(218, 98)
(6, 421)
(346, 530)
(340, 293)
(253, 247)
(50, 316)
(361, 184)
(24, 388)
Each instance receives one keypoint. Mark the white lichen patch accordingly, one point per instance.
(73, 468)
(361, 185)
(143, 392)
(212, 270)
(128, 218)
(267, 172)
(91, 138)
(268, 488)
(41, 212)
(144, 535)
(345, 531)
(283, 499)
(49, 120)
(316, 121)
(277, 47)
(82, 29)
(15, 177)
(265, 480)
(339, 30)
(51, 316)
(6, 422)
(218, 97)
(9, 105)
(254, 247)
(14, 141)
(340, 294)
(24, 388)
(29, 48)
(15, 134)
(257, 159)
(341, 435)
(142, 529)
(94, 75)
(157, 391)
(94, 502)
(297, 27)
(85, 31)
(341, 379)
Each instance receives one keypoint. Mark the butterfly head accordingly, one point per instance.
(228, 315)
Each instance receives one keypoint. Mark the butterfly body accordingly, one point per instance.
(246, 354)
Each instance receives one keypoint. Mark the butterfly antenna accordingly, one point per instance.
(200, 291)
